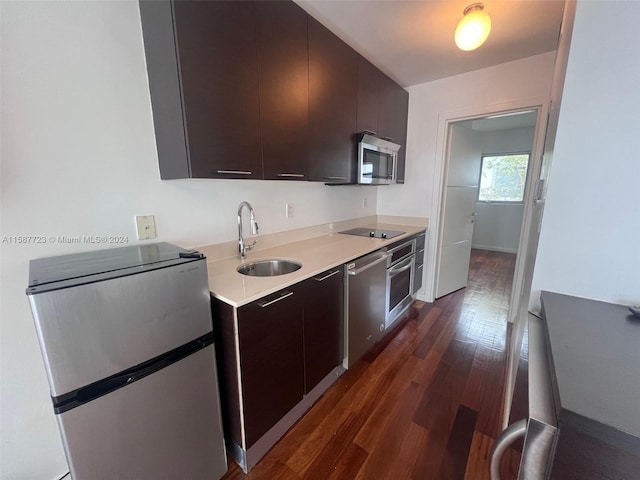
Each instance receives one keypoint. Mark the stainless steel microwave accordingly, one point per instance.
(377, 160)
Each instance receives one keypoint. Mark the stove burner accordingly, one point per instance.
(373, 233)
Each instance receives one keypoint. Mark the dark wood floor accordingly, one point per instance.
(427, 404)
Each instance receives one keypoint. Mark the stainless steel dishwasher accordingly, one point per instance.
(365, 304)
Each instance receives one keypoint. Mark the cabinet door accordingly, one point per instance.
(216, 44)
(402, 105)
(271, 360)
(323, 297)
(387, 110)
(333, 85)
(369, 83)
(392, 119)
(283, 65)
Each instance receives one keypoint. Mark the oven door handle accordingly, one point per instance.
(401, 268)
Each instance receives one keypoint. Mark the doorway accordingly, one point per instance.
(486, 177)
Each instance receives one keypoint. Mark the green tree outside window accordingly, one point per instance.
(503, 178)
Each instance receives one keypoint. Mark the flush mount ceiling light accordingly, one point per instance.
(474, 27)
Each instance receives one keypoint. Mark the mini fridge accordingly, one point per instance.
(127, 342)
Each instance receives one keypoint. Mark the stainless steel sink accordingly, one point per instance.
(269, 268)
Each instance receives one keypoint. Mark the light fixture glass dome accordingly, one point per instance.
(474, 27)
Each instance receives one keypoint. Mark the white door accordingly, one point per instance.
(461, 193)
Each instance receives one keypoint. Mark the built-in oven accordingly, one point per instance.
(400, 273)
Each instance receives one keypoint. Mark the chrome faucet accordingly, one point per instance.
(242, 246)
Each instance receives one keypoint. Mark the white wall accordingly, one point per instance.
(482, 91)
(589, 242)
(78, 158)
(498, 225)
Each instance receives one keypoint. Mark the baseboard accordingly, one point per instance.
(495, 249)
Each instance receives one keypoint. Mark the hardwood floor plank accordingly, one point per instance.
(447, 386)
(398, 441)
(349, 463)
(437, 323)
(374, 427)
(454, 462)
(329, 457)
(479, 459)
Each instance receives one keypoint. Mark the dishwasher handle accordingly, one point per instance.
(367, 266)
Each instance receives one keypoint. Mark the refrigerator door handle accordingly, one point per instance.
(70, 400)
(504, 441)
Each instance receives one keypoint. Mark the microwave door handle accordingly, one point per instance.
(509, 435)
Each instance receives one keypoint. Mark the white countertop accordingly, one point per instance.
(315, 254)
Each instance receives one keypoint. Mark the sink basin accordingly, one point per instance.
(269, 268)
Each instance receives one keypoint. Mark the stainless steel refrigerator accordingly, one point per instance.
(127, 342)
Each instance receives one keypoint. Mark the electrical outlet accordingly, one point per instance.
(364, 202)
(145, 227)
(288, 210)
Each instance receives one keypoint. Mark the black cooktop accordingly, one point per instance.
(373, 232)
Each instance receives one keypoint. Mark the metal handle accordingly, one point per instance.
(369, 265)
(282, 297)
(504, 441)
(326, 276)
(294, 175)
(398, 269)
(235, 172)
(404, 245)
(334, 178)
(421, 251)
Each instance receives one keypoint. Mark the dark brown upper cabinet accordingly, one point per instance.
(203, 77)
(333, 86)
(255, 90)
(382, 109)
(402, 104)
(369, 85)
(283, 66)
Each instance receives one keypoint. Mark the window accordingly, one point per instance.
(503, 177)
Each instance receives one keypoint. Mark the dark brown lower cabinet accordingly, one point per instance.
(323, 324)
(271, 360)
(272, 356)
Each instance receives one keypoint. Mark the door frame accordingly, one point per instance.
(445, 119)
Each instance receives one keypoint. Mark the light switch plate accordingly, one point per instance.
(145, 227)
(289, 210)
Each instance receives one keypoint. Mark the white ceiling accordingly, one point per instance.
(412, 40)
